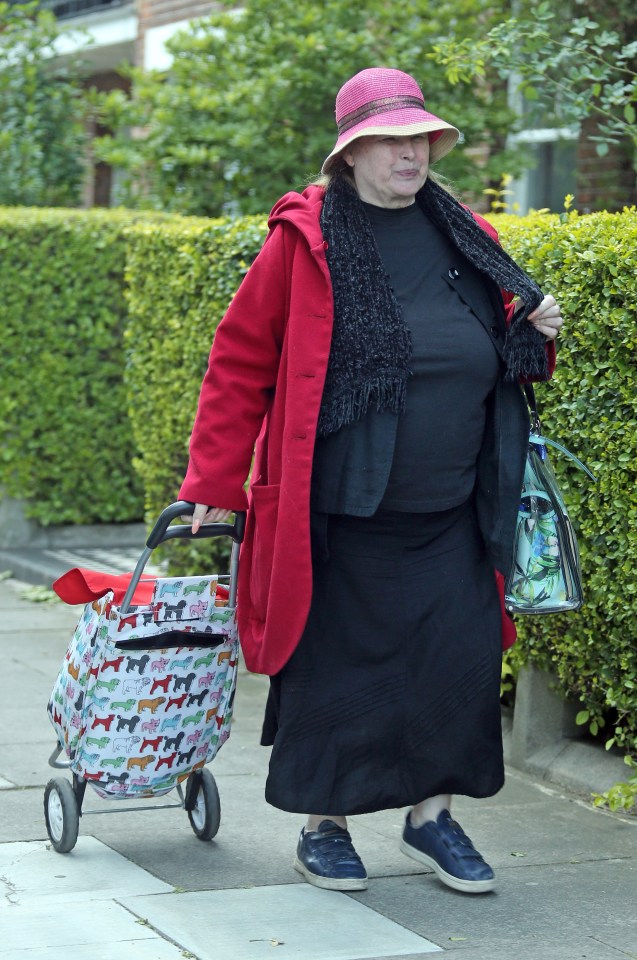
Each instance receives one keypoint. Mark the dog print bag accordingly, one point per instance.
(143, 699)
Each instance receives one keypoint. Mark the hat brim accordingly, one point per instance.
(446, 139)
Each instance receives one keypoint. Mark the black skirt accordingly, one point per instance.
(393, 693)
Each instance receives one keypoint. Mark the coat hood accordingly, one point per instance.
(303, 210)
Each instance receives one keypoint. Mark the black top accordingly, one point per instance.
(454, 365)
(425, 459)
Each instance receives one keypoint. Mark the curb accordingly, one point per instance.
(580, 768)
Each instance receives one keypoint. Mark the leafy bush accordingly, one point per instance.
(246, 110)
(106, 327)
(65, 435)
(181, 277)
(588, 263)
(181, 280)
(44, 110)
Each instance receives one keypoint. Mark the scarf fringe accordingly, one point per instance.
(525, 350)
(381, 393)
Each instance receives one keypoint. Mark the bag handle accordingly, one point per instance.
(539, 440)
(162, 532)
(529, 393)
(538, 494)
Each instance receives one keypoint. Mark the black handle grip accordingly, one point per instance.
(536, 423)
(162, 532)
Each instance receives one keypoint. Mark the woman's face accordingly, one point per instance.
(389, 171)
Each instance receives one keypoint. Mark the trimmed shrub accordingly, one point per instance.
(181, 277)
(589, 264)
(65, 435)
(107, 321)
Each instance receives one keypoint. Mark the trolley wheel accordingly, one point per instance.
(205, 815)
(62, 814)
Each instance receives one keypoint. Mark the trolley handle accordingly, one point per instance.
(162, 532)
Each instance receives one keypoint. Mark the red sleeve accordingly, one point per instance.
(237, 388)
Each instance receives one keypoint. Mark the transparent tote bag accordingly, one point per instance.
(545, 576)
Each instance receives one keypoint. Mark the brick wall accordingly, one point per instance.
(154, 13)
(603, 183)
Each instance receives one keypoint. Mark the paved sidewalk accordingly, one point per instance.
(141, 885)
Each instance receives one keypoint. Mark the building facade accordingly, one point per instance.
(130, 31)
(136, 31)
(121, 32)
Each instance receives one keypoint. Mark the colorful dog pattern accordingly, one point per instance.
(117, 709)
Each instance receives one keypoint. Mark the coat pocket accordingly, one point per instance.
(265, 506)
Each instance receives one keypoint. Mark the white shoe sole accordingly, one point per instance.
(327, 883)
(464, 886)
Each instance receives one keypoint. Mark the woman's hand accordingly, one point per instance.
(205, 514)
(547, 318)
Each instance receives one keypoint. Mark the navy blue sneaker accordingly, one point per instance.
(444, 846)
(326, 858)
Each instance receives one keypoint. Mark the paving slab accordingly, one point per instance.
(308, 924)
(566, 872)
(84, 929)
(40, 565)
(562, 904)
(152, 948)
(52, 904)
(22, 814)
(34, 873)
(94, 897)
(584, 948)
(26, 764)
(32, 620)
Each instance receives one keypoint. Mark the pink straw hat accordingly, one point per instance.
(384, 101)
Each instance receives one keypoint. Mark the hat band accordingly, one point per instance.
(373, 107)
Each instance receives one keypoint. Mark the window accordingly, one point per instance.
(65, 9)
(552, 174)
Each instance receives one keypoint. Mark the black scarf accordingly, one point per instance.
(371, 344)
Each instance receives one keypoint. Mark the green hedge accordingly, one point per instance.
(106, 326)
(589, 264)
(65, 437)
(181, 277)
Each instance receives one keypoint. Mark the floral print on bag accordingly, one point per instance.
(545, 576)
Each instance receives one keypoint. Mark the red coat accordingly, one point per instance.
(265, 380)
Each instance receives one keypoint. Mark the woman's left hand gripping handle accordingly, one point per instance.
(205, 514)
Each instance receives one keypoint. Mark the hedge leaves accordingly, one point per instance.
(106, 322)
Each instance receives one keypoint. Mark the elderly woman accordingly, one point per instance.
(373, 355)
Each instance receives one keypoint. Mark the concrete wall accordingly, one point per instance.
(544, 741)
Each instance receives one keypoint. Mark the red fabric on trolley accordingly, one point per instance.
(81, 585)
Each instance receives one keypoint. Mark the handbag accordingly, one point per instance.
(545, 576)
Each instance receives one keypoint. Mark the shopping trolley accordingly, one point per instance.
(143, 700)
